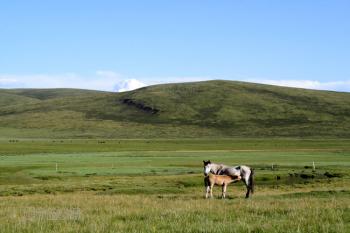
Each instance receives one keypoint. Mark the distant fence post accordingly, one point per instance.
(272, 167)
(313, 166)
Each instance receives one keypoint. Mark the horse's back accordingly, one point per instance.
(232, 171)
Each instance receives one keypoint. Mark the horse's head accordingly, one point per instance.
(207, 167)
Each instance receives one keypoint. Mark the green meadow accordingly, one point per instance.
(157, 186)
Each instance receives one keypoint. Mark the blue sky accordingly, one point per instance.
(120, 45)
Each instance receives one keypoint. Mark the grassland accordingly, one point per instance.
(157, 186)
(189, 110)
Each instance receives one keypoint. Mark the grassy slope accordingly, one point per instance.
(202, 109)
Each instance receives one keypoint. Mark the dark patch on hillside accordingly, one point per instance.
(140, 106)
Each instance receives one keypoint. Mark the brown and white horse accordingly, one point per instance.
(222, 180)
(245, 172)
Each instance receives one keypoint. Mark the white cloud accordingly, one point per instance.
(308, 84)
(128, 85)
(41, 81)
(7, 82)
(101, 80)
(120, 83)
(106, 80)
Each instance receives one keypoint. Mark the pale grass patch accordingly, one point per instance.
(87, 212)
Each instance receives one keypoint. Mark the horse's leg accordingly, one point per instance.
(246, 182)
(224, 191)
(207, 191)
(211, 190)
(248, 192)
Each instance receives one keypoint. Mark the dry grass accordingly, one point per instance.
(88, 212)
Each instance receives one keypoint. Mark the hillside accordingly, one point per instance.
(199, 109)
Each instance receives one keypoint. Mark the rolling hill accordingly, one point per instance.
(199, 109)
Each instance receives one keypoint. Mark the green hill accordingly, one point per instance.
(198, 109)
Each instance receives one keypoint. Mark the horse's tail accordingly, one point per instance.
(251, 180)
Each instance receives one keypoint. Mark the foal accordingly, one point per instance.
(223, 180)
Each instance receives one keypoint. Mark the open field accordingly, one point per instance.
(157, 186)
